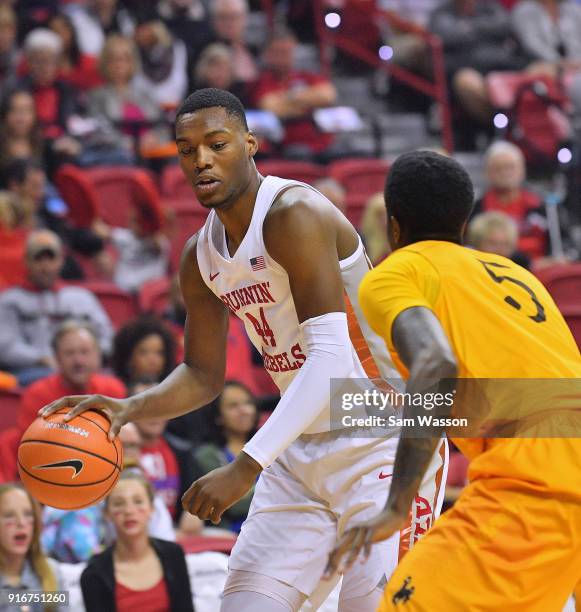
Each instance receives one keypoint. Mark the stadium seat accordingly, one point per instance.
(563, 282)
(572, 315)
(9, 439)
(296, 170)
(9, 406)
(174, 184)
(361, 178)
(121, 188)
(198, 544)
(154, 296)
(79, 193)
(187, 222)
(119, 305)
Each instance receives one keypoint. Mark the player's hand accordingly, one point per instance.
(210, 496)
(117, 410)
(360, 538)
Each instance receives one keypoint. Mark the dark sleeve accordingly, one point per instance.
(96, 596)
(175, 570)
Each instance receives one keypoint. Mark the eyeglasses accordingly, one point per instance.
(45, 254)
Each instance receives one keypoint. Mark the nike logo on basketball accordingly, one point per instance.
(382, 475)
(76, 464)
(213, 276)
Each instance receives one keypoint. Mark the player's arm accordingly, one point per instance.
(423, 347)
(193, 383)
(300, 234)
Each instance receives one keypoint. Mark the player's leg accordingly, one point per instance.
(283, 545)
(249, 591)
(363, 583)
(499, 547)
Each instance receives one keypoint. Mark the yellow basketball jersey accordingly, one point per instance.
(502, 324)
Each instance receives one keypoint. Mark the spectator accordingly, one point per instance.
(550, 33)
(55, 100)
(215, 69)
(143, 349)
(136, 572)
(31, 313)
(233, 419)
(43, 207)
(506, 173)
(229, 19)
(96, 20)
(164, 62)
(8, 51)
(78, 360)
(496, 232)
(188, 21)
(77, 68)
(122, 99)
(21, 136)
(477, 39)
(13, 241)
(334, 192)
(293, 95)
(157, 459)
(160, 524)
(142, 256)
(374, 228)
(23, 566)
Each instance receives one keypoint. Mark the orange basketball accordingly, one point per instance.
(69, 465)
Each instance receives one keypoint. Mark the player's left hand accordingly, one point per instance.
(361, 537)
(210, 496)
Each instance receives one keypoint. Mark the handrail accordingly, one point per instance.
(436, 89)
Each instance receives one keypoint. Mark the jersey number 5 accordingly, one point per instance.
(262, 328)
(489, 266)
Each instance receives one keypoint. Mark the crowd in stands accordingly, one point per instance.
(94, 84)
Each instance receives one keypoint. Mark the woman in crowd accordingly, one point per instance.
(122, 101)
(136, 572)
(143, 349)
(77, 68)
(233, 420)
(23, 566)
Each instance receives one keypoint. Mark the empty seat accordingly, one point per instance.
(9, 406)
(295, 170)
(154, 296)
(119, 305)
(79, 193)
(563, 282)
(120, 189)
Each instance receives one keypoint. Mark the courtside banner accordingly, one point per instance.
(464, 408)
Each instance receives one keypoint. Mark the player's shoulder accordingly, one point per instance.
(298, 210)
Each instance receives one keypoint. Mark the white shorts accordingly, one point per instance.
(319, 487)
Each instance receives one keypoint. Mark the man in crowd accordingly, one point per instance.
(31, 313)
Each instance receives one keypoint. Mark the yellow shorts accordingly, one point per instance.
(502, 547)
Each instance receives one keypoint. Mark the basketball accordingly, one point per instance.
(69, 465)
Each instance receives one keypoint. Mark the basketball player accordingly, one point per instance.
(287, 262)
(512, 541)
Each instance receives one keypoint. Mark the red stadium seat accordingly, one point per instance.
(573, 317)
(563, 282)
(188, 221)
(174, 184)
(121, 188)
(9, 440)
(296, 170)
(204, 544)
(9, 406)
(361, 178)
(79, 193)
(119, 305)
(154, 296)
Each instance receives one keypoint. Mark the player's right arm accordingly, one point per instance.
(193, 383)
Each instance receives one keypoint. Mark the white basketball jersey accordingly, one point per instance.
(256, 289)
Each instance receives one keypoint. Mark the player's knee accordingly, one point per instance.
(242, 586)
